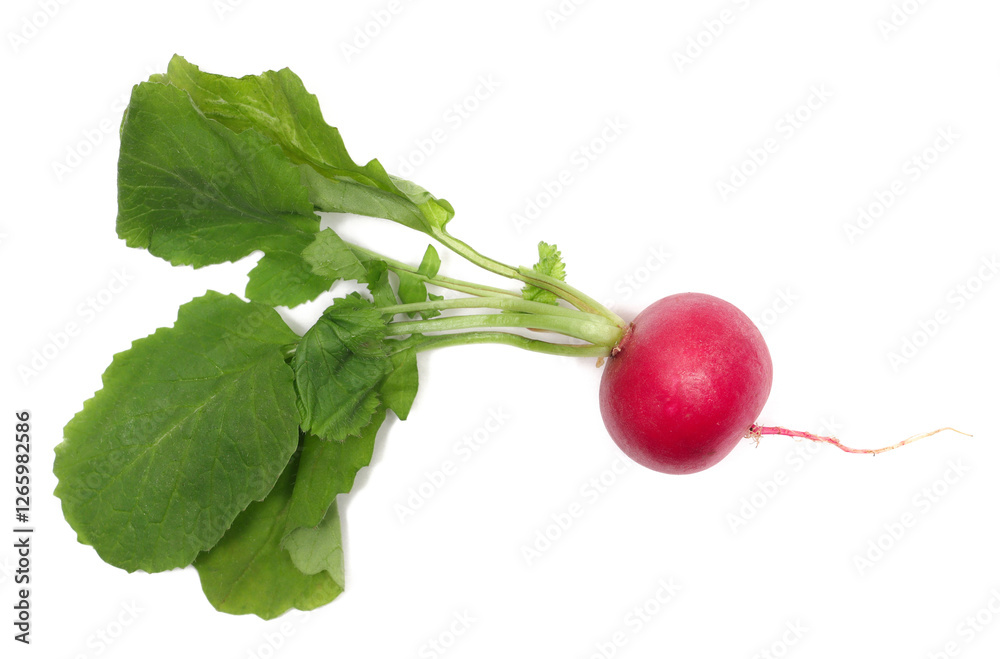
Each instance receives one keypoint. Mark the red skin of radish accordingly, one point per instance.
(685, 383)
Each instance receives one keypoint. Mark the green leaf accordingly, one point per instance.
(277, 105)
(377, 278)
(339, 366)
(327, 468)
(400, 387)
(319, 549)
(332, 258)
(412, 289)
(193, 423)
(329, 464)
(284, 278)
(344, 195)
(430, 264)
(195, 193)
(249, 571)
(549, 263)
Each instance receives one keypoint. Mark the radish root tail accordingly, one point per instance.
(756, 432)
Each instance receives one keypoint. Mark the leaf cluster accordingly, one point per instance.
(223, 441)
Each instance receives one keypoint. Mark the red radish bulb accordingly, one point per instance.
(685, 383)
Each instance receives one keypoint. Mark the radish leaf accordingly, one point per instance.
(412, 288)
(327, 468)
(193, 423)
(319, 549)
(330, 257)
(249, 571)
(339, 366)
(193, 192)
(277, 105)
(400, 387)
(549, 263)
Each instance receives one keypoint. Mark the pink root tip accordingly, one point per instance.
(755, 432)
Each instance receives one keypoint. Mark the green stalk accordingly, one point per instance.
(528, 276)
(590, 321)
(516, 340)
(556, 285)
(439, 281)
(598, 333)
(518, 305)
(466, 251)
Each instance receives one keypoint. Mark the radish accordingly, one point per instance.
(685, 383)
(223, 442)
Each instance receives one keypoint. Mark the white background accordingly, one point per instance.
(751, 567)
